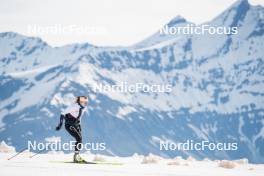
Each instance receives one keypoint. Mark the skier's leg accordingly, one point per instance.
(75, 131)
(78, 145)
(78, 138)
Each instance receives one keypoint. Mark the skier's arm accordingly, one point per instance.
(63, 113)
(60, 123)
(69, 109)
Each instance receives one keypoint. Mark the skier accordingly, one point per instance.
(72, 116)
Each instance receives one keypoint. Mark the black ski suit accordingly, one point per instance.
(72, 116)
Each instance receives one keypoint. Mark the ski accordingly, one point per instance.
(87, 162)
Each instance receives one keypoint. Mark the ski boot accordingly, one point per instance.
(78, 159)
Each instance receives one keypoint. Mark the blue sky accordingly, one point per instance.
(102, 22)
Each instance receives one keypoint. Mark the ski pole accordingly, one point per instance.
(17, 153)
(36, 154)
(39, 152)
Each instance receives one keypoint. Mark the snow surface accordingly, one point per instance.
(30, 72)
(45, 164)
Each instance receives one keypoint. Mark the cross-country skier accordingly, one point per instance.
(72, 116)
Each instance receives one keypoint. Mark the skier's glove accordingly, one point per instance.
(58, 127)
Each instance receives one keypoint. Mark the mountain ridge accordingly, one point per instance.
(217, 91)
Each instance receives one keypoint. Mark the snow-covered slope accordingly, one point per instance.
(217, 92)
(52, 165)
(160, 38)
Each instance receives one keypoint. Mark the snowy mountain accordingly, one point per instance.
(217, 92)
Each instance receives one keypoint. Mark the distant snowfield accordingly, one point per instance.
(30, 72)
(45, 164)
